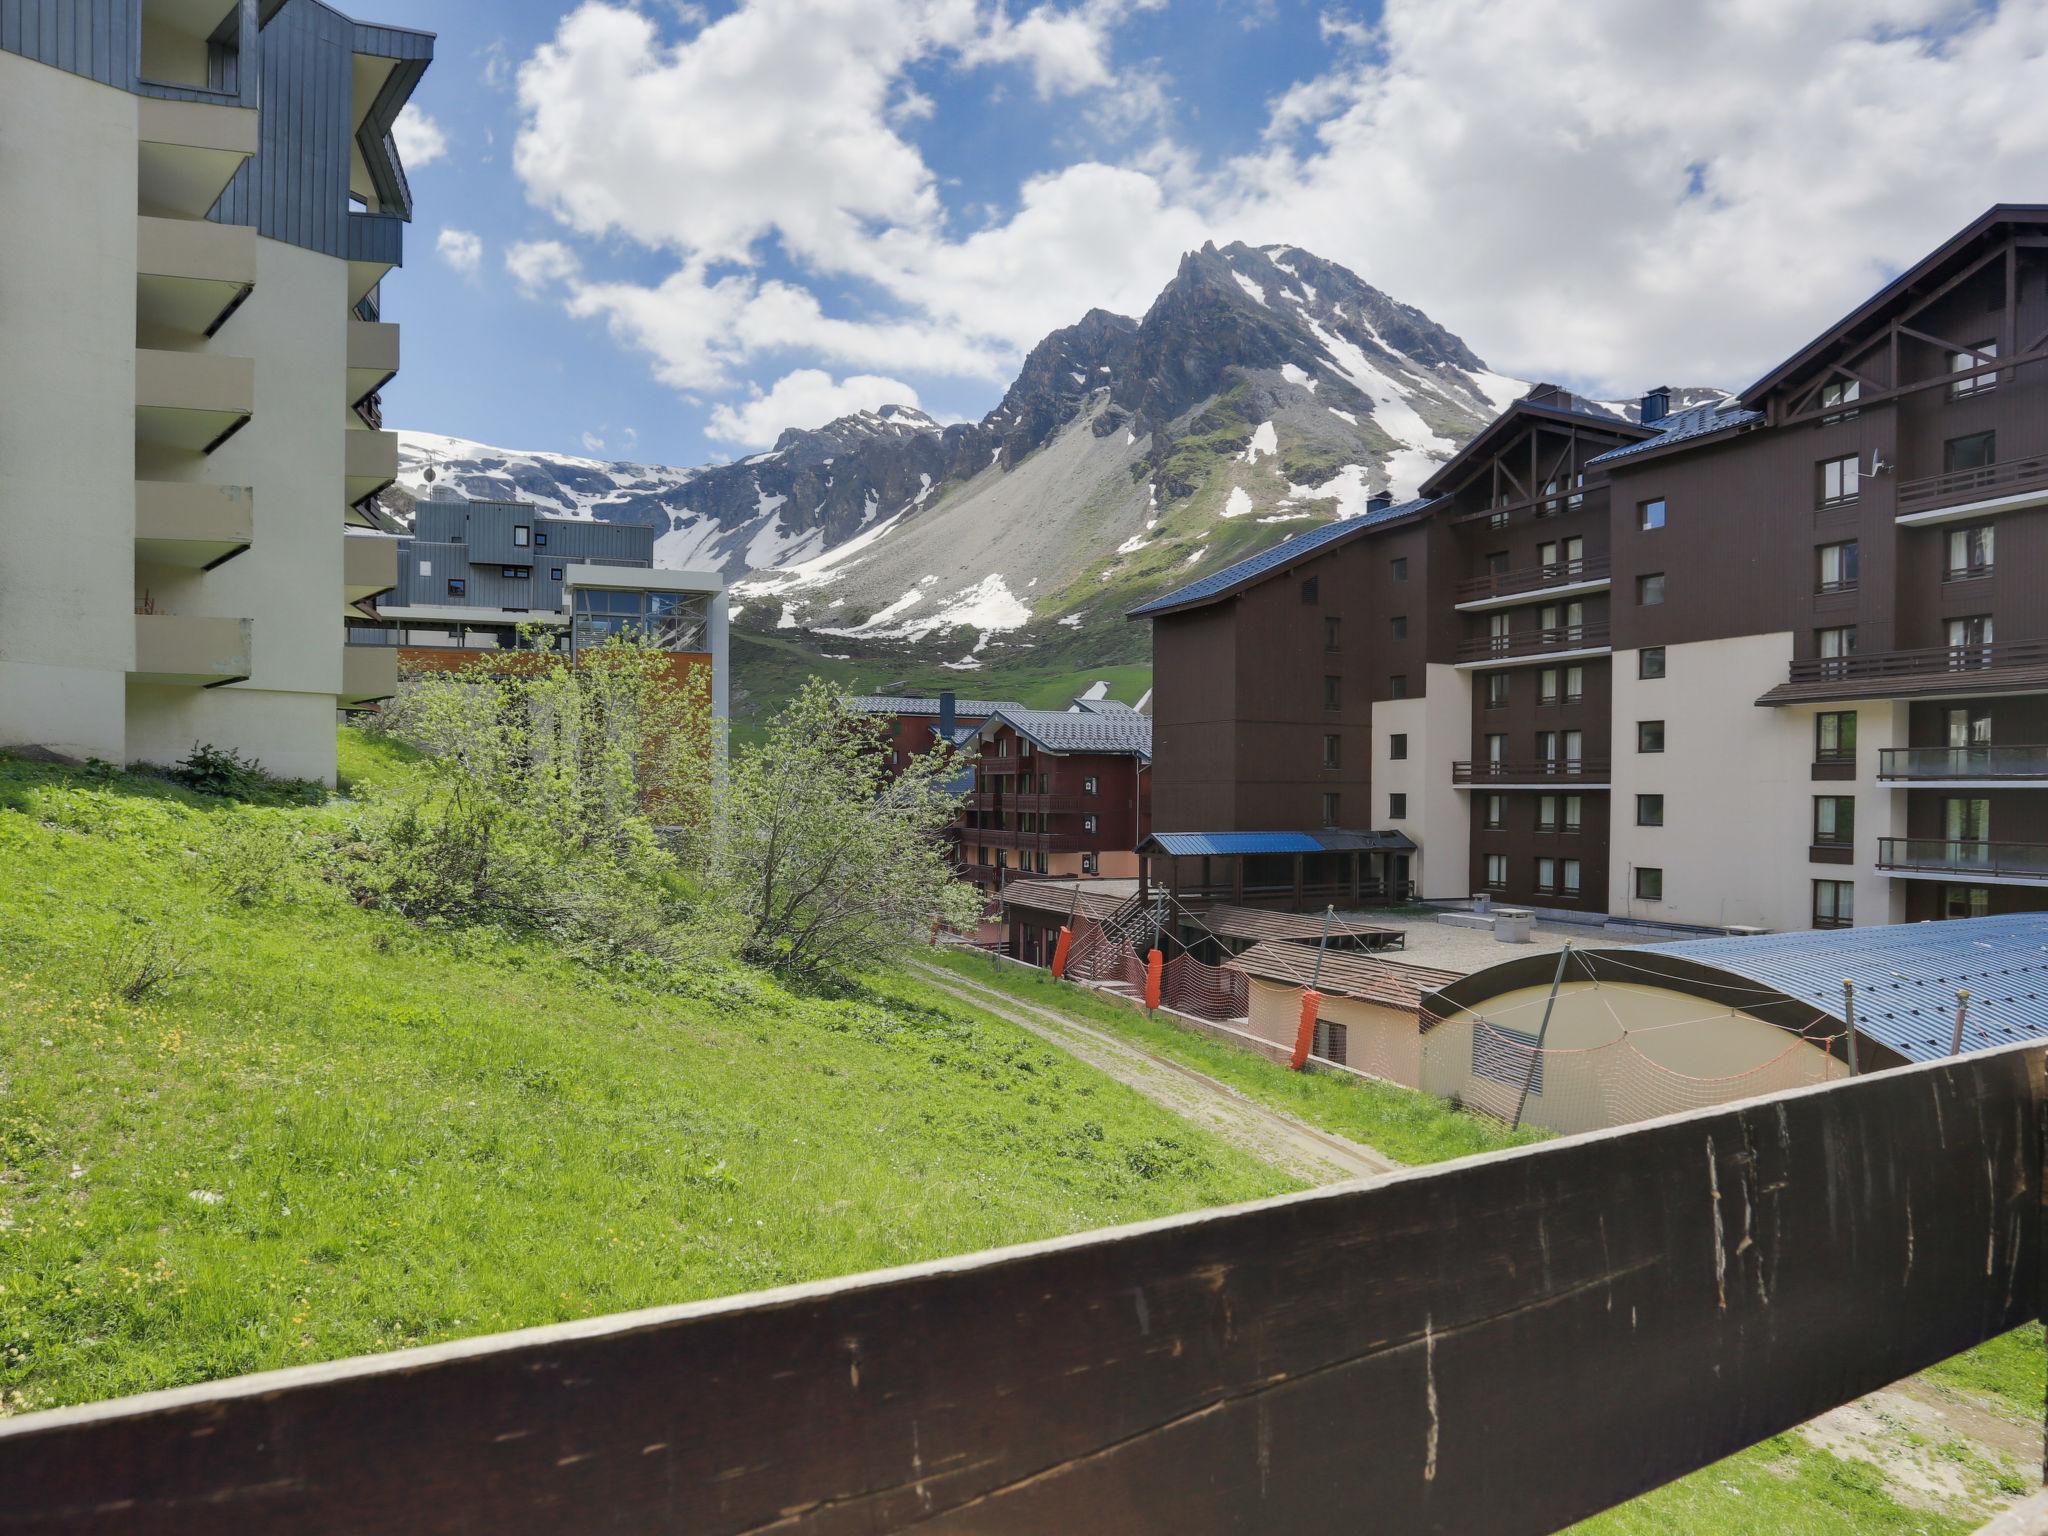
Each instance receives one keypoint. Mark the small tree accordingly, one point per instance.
(825, 860)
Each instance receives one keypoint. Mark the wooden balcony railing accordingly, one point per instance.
(1508, 1345)
(1564, 772)
(1987, 483)
(1964, 858)
(1533, 642)
(1934, 765)
(1012, 837)
(1877, 666)
(1040, 804)
(1549, 504)
(1533, 578)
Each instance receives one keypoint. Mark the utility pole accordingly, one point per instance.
(1849, 1018)
(1962, 1007)
(1542, 1033)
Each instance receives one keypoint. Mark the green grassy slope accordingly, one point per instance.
(333, 1133)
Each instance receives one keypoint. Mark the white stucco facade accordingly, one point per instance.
(1438, 728)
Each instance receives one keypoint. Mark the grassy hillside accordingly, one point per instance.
(235, 1136)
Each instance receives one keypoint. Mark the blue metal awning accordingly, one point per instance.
(1330, 840)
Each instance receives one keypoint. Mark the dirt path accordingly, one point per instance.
(1317, 1156)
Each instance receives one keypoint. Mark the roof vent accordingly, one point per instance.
(1656, 405)
(1379, 501)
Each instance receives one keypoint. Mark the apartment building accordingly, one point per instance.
(1057, 792)
(1779, 661)
(479, 577)
(203, 201)
(915, 723)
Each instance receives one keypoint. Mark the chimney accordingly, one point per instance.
(1656, 405)
(947, 716)
(1379, 501)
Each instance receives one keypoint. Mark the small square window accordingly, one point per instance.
(458, 586)
(1652, 513)
(1649, 735)
(1397, 746)
(540, 539)
(516, 572)
(1650, 661)
(426, 567)
(1397, 686)
(1398, 566)
(1496, 870)
(1834, 904)
(1397, 807)
(1312, 590)
(1839, 480)
(1649, 810)
(555, 573)
(1650, 590)
(1649, 884)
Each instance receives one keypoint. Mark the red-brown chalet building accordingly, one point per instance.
(915, 722)
(1058, 792)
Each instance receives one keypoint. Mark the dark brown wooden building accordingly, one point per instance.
(1776, 661)
(1058, 792)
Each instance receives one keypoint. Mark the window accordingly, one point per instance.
(1835, 643)
(1649, 735)
(1962, 362)
(1649, 810)
(540, 538)
(1090, 785)
(1979, 450)
(517, 572)
(1969, 636)
(1969, 726)
(1331, 629)
(1574, 812)
(1311, 590)
(1333, 692)
(1332, 1041)
(1970, 552)
(522, 536)
(1497, 870)
(555, 573)
(1399, 622)
(1834, 904)
(1834, 820)
(1842, 392)
(1546, 813)
(426, 567)
(1650, 661)
(1397, 807)
(1650, 590)
(1649, 883)
(1398, 567)
(1562, 557)
(1836, 567)
(1966, 819)
(1497, 562)
(1546, 685)
(1397, 686)
(1091, 823)
(1330, 808)
(1651, 513)
(1965, 900)
(1397, 746)
(1546, 874)
(1569, 617)
(1574, 684)
(1333, 748)
(1837, 481)
(1496, 747)
(1546, 746)
(1496, 690)
(1041, 861)
(1568, 870)
(1496, 812)
(1088, 866)
(1002, 858)
(1834, 738)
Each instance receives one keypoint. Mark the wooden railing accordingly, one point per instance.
(1533, 579)
(1986, 483)
(1877, 665)
(1042, 804)
(1011, 837)
(1504, 1344)
(1533, 642)
(1564, 772)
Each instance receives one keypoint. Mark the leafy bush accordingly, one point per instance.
(224, 772)
(139, 968)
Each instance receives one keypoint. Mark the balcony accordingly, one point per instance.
(191, 274)
(1564, 578)
(1535, 508)
(189, 151)
(2007, 486)
(2000, 666)
(1044, 842)
(193, 401)
(1522, 647)
(191, 524)
(371, 462)
(368, 673)
(1965, 767)
(190, 649)
(1980, 863)
(369, 565)
(375, 244)
(1551, 773)
(372, 358)
(1039, 804)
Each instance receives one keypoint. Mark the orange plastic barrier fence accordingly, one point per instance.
(1305, 1032)
(1155, 966)
(1060, 952)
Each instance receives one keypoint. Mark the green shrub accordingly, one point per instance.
(224, 772)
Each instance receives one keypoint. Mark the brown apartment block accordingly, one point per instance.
(1057, 792)
(1780, 662)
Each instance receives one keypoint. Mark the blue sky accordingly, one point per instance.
(662, 230)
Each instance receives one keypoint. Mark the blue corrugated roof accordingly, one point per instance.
(1679, 426)
(1906, 977)
(1287, 550)
(1194, 844)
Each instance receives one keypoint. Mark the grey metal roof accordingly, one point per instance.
(1906, 977)
(1062, 730)
(1682, 426)
(1324, 840)
(1246, 571)
(907, 704)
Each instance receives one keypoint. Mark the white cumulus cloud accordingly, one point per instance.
(462, 249)
(809, 397)
(419, 138)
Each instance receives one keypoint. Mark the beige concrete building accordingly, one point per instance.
(203, 200)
